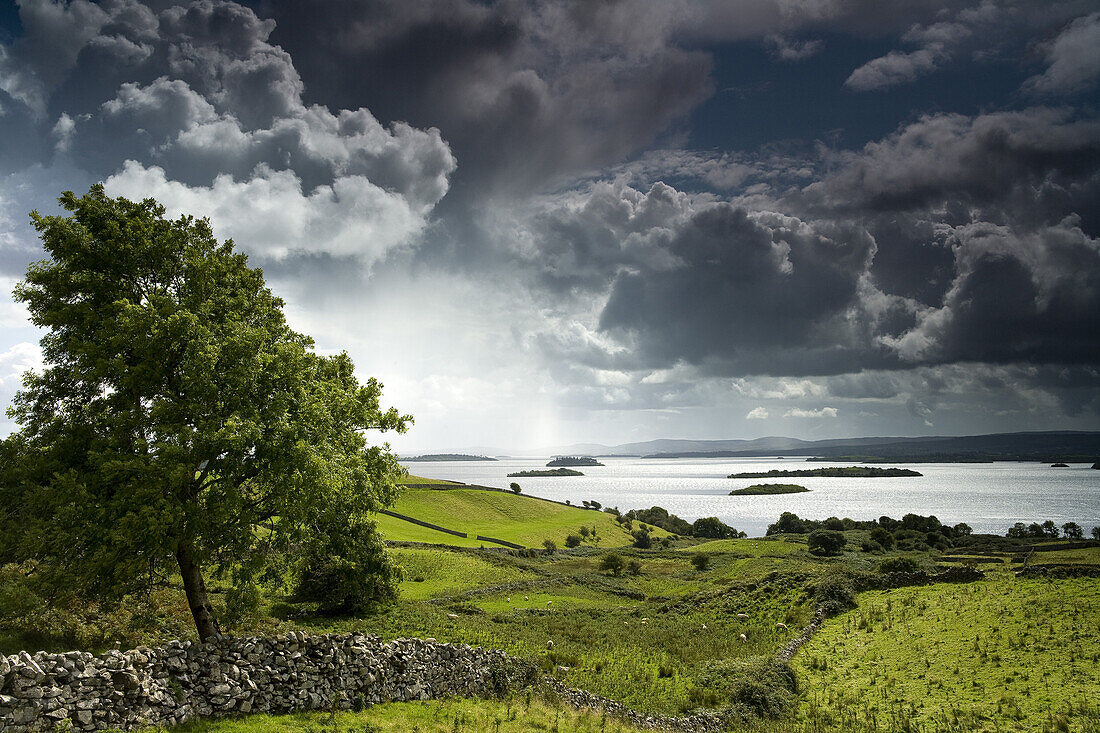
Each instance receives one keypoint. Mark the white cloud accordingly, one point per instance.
(1073, 58)
(757, 413)
(268, 214)
(799, 412)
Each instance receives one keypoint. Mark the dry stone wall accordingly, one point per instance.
(181, 681)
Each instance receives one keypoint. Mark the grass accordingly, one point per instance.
(518, 714)
(1003, 654)
(515, 518)
(420, 480)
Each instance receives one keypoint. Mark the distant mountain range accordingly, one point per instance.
(1053, 446)
(1047, 446)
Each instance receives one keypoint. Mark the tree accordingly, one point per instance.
(550, 545)
(882, 537)
(1073, 530)
(788, 523)
(1017, 531)
(700, 561)
(712, 527)
(642, 540)
(1096, 533)
(962, 529)
(1050, 529)
(572, 540)
(635, 567)
(515, 487)
(180, 424)
(613, 563)
(826, 542)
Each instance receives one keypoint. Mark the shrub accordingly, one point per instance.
(642, 540)
(701, 561)
(870, 546)
(882, 537)
(348, 571)
(514, 487)
(835, 524)
(612, 563)
(634, 567)
(788, 523)
(550, 546)
(826, 542)
(835, 594)
(572, 540)
(584, 531)
(761, 687)
(712, 528)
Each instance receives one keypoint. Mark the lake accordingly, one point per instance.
(990, 497)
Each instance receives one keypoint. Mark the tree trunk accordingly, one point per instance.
(197, 599)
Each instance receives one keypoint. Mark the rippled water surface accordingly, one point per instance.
(989, 497)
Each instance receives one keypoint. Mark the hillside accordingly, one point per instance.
(523, 520)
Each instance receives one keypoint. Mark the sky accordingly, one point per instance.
(545, 223)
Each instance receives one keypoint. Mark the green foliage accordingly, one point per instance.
(179, 421)
(550, 546)
(835, 593)
(882, 537)
(515, 487)
(899, 565)
(700, 561)
(769, 489)
(347, 570)
(788, 523)
(642, 539)
(758, 687)
(573, 540)
(612, 563)
(634, 567)
(826, 542)
(712, 528)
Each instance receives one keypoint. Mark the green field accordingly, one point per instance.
(1002, 654)
(520, 714)
(523, 520)
(1006, 653)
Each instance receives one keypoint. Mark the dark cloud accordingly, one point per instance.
(526, 94)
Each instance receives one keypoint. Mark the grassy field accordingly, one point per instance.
(520, 714)
(1002, 654)
(523, 520)
(663, 634)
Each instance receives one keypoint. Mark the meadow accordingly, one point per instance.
(696, 624)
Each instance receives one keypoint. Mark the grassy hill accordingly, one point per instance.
(524, 520)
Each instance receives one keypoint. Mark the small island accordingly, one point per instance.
(1059, 465)
(834, 472)
(553, 472)
(573, 461)
(768, 489)
(447, 457)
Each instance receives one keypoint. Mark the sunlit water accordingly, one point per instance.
(990, 497)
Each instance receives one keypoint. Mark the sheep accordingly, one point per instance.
(743, 616)
(452, 615)
(527, 598)
(508, 598)
(704, 627)
(744, 638)
(548, 605)
(550, 644)
(781, 626)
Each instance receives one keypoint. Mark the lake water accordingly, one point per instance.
(990, 497)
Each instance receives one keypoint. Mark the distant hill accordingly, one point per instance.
(447, 457)
(1072, 446)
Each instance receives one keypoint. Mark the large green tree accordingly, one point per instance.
(180, 423)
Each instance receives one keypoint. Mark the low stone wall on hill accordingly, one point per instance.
(181, 681)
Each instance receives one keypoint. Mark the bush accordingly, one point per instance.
(870, 546)
(835, 524)
(826, 542)
(514, 487)
(634, 567)
(572, 540)
(642, 540)
(883, 537)
(712, 528)
(835, 594)
(788, 523)
(761, 687)
(612, 563)
(550, 545)
(348, 572)
(701, 561)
